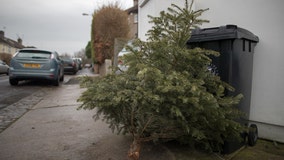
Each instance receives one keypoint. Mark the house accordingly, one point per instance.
(264, 19)
(9, 46)
(133, 20)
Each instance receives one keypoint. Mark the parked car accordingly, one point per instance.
(4, 68)
(70, 65)
(33, 64)
(120, 63)
(87, 65)
(79, 63)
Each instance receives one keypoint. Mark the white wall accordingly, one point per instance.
(153, 8)
(263, 18)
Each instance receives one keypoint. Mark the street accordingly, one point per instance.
(17, 100)
(49, 127)
(11, 94)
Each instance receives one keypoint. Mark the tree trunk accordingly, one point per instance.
(134, 150)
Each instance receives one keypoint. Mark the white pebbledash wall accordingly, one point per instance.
(153, 8)
(263, 18)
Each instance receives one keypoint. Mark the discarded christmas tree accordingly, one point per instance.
(168, 92)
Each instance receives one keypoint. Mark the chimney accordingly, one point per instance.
(20, 41)
(135, 2)
(2, 34)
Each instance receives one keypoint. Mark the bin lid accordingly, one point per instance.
(221, 33)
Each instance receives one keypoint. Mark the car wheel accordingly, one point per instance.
(62, 78)
(13, 82)
(56, 81)
(252, 135)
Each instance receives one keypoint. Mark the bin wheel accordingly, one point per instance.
(252, 135)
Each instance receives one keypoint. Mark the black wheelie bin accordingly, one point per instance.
(234, 65)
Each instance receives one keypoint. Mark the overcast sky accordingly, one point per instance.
(54, 24)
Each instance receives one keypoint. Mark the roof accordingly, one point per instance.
(133, 9)
(10, 42)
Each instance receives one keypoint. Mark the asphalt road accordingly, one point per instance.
(15, 101)
(12, 94)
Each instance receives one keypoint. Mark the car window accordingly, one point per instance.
(65, 59)
(34, 54)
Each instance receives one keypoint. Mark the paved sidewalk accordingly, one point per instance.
(55, 130)
(11, 113)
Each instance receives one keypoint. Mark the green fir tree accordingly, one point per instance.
(167, 93)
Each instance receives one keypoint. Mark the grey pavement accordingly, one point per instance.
(11, 113)
(53, 129)
(14, 111)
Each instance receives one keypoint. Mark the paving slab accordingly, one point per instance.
(53, 129)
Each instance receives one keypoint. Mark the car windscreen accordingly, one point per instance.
(34, 54)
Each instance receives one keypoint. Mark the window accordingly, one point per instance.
(34, 54)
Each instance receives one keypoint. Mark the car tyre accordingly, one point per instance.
(252, 135)
(56, 81)
(62, 78)
(13, 82)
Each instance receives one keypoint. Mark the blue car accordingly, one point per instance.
(35, 64)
